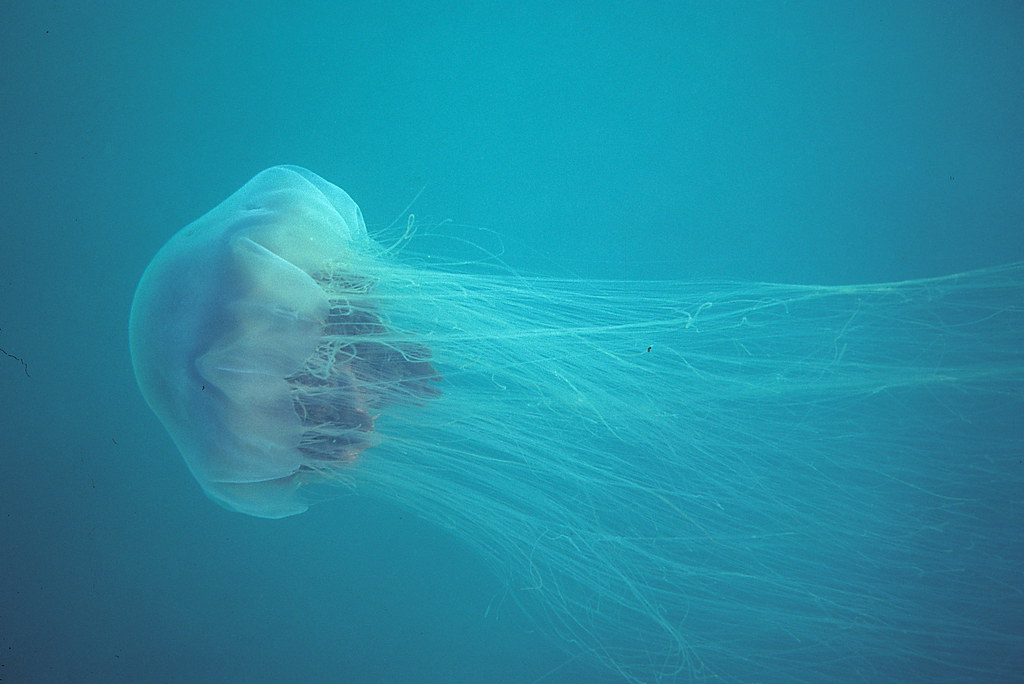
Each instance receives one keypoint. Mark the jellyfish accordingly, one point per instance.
(680, 481)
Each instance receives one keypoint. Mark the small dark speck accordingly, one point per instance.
(648, 349)
(113, 440)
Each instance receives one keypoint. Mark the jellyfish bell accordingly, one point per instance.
(255, 341)
(680, 480)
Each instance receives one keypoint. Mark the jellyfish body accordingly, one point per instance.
(683, 481)
(254, 348)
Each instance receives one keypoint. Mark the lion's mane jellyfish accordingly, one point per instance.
(681, 480)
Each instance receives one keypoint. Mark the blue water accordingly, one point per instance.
(790, 142)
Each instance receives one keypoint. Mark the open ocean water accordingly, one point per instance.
(812, 143)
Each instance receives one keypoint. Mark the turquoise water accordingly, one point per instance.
(800, 142)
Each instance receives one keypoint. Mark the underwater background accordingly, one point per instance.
(802, 142)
